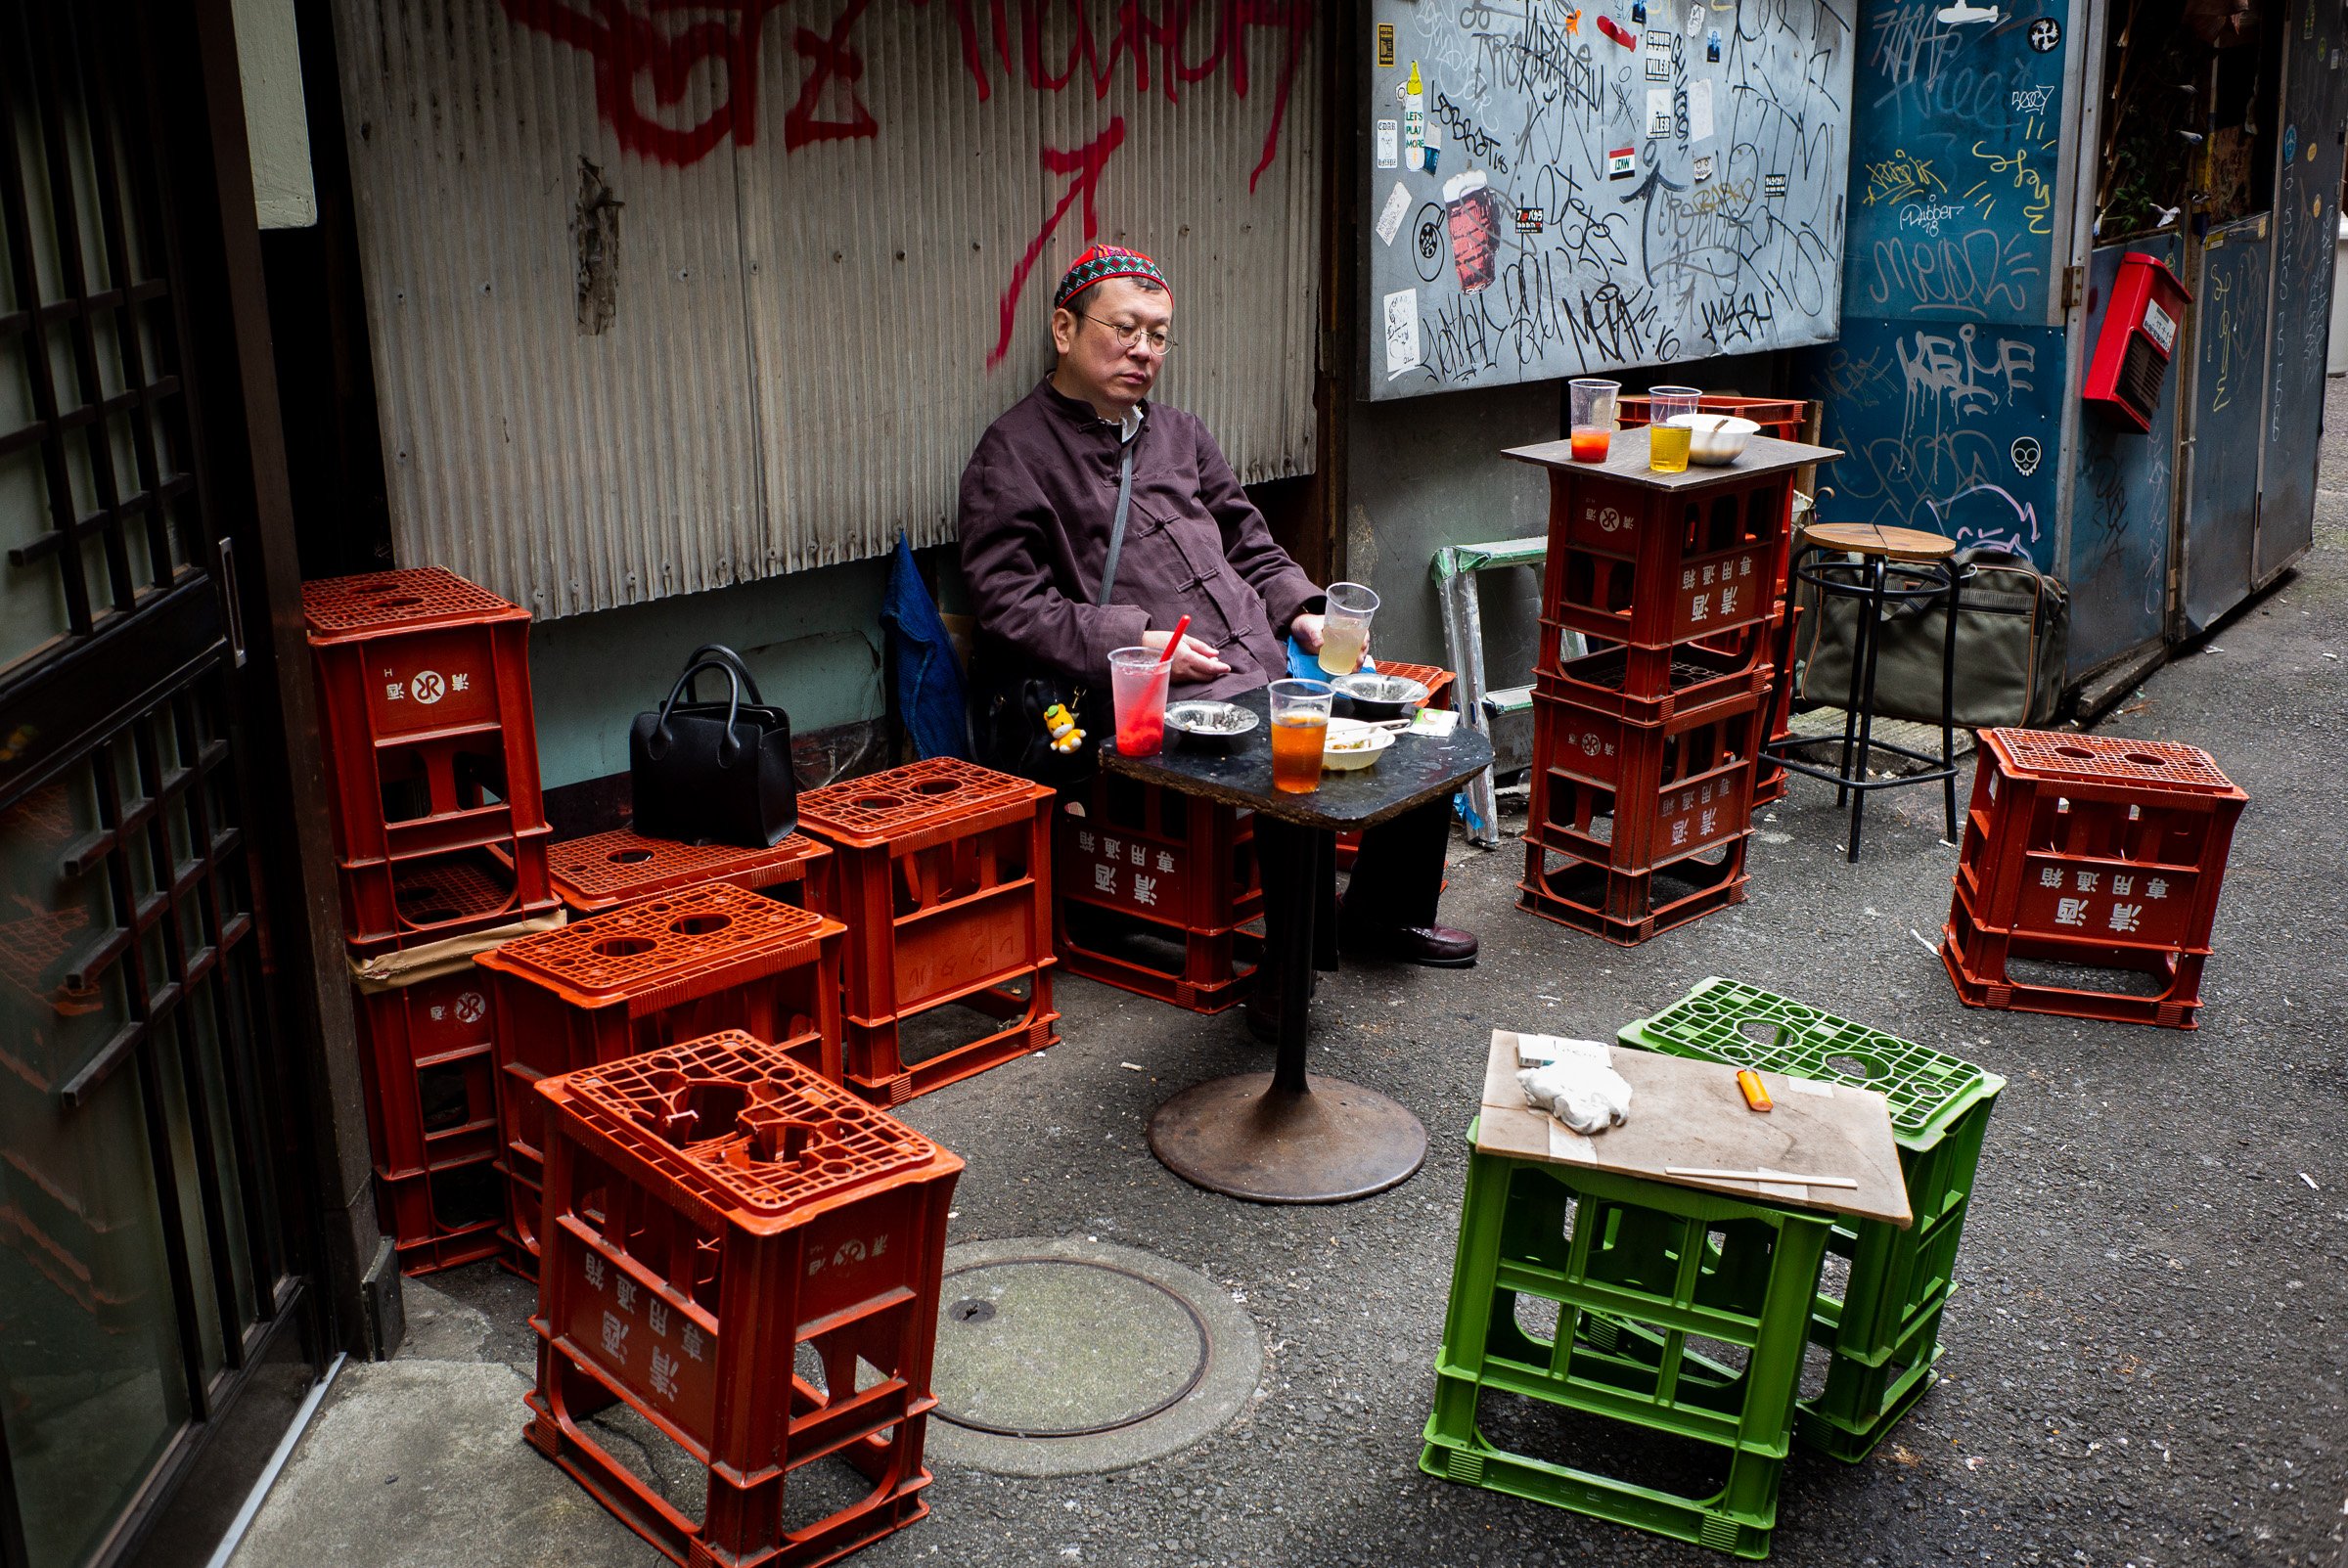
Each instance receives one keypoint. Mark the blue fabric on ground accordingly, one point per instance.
(930, 688)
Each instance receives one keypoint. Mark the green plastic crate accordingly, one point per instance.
(1648, 1264)
(1884, 1330)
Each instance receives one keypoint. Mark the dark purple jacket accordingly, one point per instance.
(1038, 500)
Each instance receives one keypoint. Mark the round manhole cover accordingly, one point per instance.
(1062, 1347)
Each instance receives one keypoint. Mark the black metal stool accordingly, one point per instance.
(1923, 564)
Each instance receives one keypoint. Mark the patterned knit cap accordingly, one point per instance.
(1102, 263)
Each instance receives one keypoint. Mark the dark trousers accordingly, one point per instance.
(1397, 876)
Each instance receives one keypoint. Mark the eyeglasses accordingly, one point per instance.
(1128, 333)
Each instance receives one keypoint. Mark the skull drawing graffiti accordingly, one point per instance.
(2025, 455)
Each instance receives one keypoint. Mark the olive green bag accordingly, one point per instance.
(2013, 629)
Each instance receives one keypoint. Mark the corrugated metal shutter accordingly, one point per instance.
(796, 362)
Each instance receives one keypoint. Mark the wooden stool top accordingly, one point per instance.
(1870, 539)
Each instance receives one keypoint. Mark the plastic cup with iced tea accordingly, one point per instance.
(1590, 417)
(1667, 443)
(1299, 727)
(1345, 627)
(1137, 688)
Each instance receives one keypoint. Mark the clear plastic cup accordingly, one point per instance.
(1667, 443)
(1137, 686)
(1299, 728)
(1590, 417)
(1345, 627)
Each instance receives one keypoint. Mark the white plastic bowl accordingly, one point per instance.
(1353, 746)
(1716, 440)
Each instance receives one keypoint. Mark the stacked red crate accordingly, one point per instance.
(1176, 876)
(2100, 854)
(431, 757)
(942, 870)
(719, 1218)
(672, 967)
(613, 869)
(1784, 420)
(1644, 748)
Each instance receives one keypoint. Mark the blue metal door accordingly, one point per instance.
(2306, 220)
(2228, 365)
(2118, 568)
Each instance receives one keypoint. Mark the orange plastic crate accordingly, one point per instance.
(426, 1056)
(1635, 797)
(1656, 567)
(391, 906)
(675, 966)
(423, 699)
(444, 1218)
(2098, 852)
(942, 870)
(609, 871)
(1628, 906)
(717, 1216)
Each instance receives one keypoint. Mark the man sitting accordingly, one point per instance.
(1039, 503)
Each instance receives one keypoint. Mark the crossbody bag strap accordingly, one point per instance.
(1117, 532)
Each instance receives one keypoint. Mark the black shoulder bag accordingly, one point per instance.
(1012, 733)
(714, 772)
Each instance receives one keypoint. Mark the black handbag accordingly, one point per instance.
(1011, 731)
(714, 772)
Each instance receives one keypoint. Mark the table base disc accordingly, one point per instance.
(1239, 1137)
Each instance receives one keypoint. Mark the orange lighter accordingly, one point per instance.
(1755, 1097)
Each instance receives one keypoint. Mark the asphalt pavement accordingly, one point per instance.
(2143, 1358)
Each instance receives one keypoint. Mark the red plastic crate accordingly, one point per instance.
(610, 871)
(673, 967)
(1179, 867)
(717, 1216)
(1786, 419)
(391, 906)
(424, 700)
(2101, 852)
(1654, 685)
(942, 870)
(1635, 797)
(1784, 632)
(1656, 567)
(1627, 908)
(427, 1058)
(445, 1217)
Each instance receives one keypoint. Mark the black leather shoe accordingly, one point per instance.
(1437, 946)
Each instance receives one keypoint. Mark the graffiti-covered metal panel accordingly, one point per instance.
(1635, 183)
(1948, 427)
(668, 295)
(2230, 340)
(1953, 162)
(2118, 566)
(2306, 222)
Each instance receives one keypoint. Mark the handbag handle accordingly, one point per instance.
(720, 650)
(728, 748)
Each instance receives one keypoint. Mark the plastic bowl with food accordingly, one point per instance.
(1371, 696)
(1716, 440)
(1210, 723)
(1350, 748)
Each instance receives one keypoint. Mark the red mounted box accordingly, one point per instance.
(424, 704)
(675, 966)
(2099, 852)
(1176, 875)
(1632, 564)
(1627, 907)
(426, 1056)
(942, 870)
(1635, 797)
(2137, 339)
(716, 1216)
(610, 871)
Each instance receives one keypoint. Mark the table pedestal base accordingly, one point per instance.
(1241, 1137)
